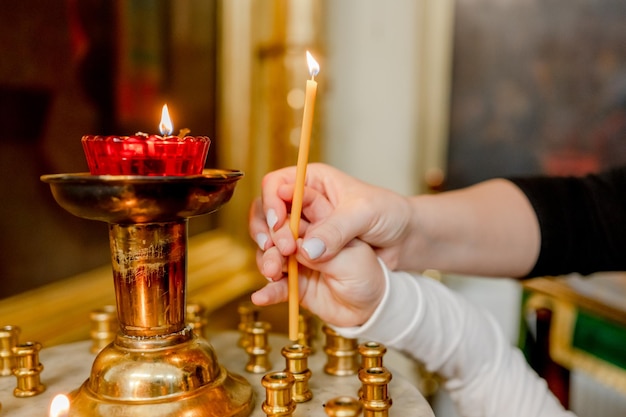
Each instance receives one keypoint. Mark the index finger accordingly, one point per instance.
(273, 199)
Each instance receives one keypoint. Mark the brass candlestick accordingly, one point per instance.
(156, 366)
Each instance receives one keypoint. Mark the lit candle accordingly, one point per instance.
(296, 205)
(165, 126)
(60, 406)
(144, 154)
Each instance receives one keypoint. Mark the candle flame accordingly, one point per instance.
(314, 67)
(60, 406)
(165, 126)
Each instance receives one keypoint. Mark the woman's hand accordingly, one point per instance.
(343, 208)
(343, 291)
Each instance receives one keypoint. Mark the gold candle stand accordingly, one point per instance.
(156, 366)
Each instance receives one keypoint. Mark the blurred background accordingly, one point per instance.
(416, 96)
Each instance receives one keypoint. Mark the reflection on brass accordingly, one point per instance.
(258, 347)
(248, 314)
(27, 370)
(196, 318)
(126, 199)
(372, 354)
(278, 402)
(104, 327)
(149, 267)
(341, 354)
(9, 336)
(156, 366)
(296, 357)
(374, 392)
(343, 407)
(142, 373)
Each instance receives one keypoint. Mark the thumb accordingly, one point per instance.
(326, 238)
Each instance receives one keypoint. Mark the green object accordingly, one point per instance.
(601, 338)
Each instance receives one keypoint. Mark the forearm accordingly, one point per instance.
(489, 229)
(484, 374)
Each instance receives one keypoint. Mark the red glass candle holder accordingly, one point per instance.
(150, 155)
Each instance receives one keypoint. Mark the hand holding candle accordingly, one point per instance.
(296, 205)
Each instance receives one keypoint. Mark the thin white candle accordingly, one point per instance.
(296, 204)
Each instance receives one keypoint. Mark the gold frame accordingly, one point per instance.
(555, 295)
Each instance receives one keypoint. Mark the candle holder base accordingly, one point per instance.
(178, 375)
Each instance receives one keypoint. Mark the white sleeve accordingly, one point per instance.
(484, 374)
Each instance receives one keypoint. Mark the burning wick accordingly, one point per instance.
(60, 406)
(165, 126)
(296, 205)
(314, 67)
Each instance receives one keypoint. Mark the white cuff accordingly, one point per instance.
(401, 305)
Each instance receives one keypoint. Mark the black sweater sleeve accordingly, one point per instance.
(582, 222)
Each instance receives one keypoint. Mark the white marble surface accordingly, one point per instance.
(67, 366)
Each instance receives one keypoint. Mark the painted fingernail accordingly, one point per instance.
(314, 247)
(271, 218)
(261, 240)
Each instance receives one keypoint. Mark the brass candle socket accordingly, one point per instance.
(374, 392)
(306, 329)
(296, 361)
(343, 406)
(9, 336)
(278, 401)
(258, 347)
(372, 354)
(156, 366)
(104, 327)
(248, 314)
(27, 370)
(341, 353)
(196, 318)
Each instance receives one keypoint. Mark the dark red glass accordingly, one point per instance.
(146, 155)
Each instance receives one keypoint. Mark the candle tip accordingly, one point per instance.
(314, 67)
(165, 126)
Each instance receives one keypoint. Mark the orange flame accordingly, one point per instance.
(165, 126)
